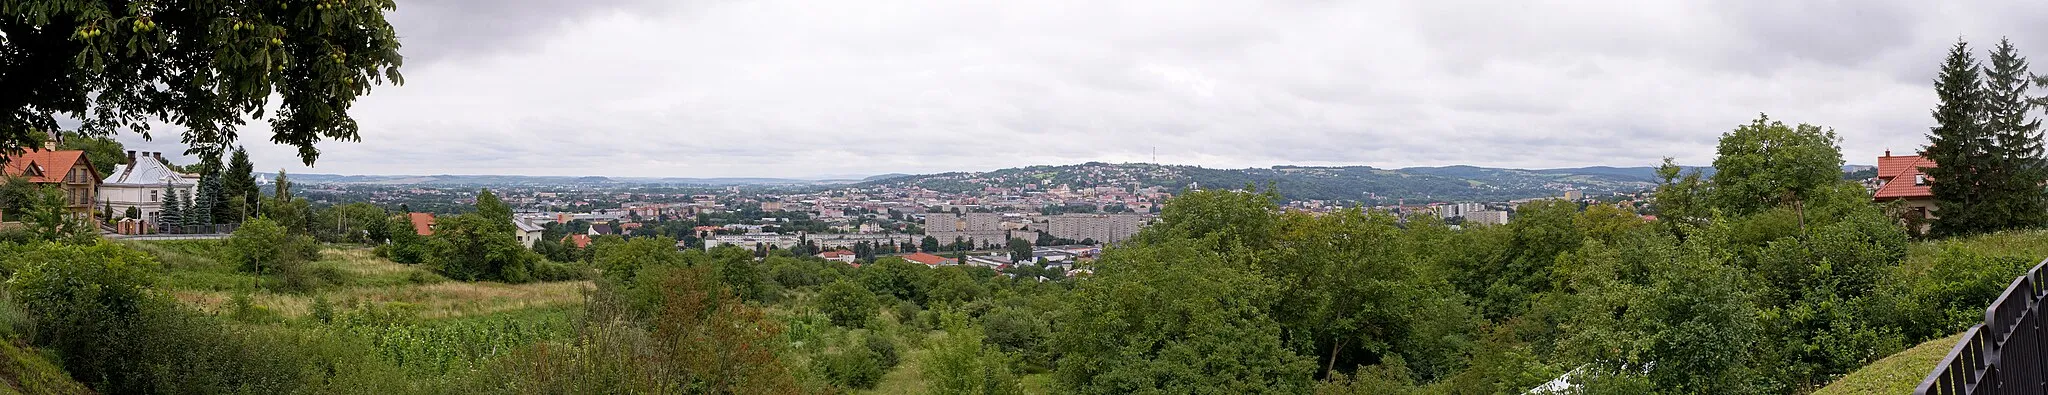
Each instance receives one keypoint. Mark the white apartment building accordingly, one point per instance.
(141, 184)
(1488, 217)
(1103, 228)
(1448, 211)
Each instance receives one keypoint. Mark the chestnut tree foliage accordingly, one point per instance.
(206, 66)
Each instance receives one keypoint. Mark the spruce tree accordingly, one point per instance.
(174, 207)
(1958, 145)
(204, 202)
(207, 201)
(2014, 197)
(239, 184)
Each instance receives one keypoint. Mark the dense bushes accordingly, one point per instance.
(699, 336)
(93, 305)
(848, 305)
(262, 247)
(856, 366)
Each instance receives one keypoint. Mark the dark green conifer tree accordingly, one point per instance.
(1959, 146)
(2015, 196)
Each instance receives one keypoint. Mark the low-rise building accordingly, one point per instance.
(1902, 179)
(141, 185)
(422, 223)
(528, 233)
(837, 255)
(930, 260)
(68, 171)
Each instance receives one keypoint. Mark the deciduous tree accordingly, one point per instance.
(204, 67)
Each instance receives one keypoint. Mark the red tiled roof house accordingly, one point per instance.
(422, 223)
(837, 255)
(930, 260)
(68, 171)
(1901, 179)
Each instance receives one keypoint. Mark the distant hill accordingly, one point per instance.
(444, 180)
(884, 177)
(1362, 183)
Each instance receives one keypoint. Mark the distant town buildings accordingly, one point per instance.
(1454, 210)
(983, 228)
(824, 241)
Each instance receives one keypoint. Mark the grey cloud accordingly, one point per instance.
(797, 88)
(433, 30)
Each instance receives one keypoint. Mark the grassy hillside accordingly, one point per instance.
(1454, 183)
(1896, 374)
(195, 275)
(25, 372)
(2013, 253)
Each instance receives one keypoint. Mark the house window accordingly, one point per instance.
(152, 196)
(1919, 179)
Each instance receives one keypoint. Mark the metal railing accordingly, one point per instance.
(197, 229)
(2006, 353)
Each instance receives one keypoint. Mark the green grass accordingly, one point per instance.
(906, 378)
(195, 275)
(2031, 245)
(1896, 374)
(26, 372)
(1900, 372)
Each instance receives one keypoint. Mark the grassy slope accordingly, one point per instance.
(25, 372)
(195, 276)
(1896, 374)
(1900, 372)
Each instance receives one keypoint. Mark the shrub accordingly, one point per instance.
(92, 304)
(474, 248)
(855, 366)
(884, 349)
(424, 278)
(263, 247)
(557, 271)
(848, 305)
(1952, 293)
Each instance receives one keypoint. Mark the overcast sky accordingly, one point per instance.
(784, 88)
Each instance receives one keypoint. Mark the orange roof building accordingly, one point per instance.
(69, 171)
(422, 223)
(929, 259)
(1901, 177)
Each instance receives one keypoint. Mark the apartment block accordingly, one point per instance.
(1103, 228)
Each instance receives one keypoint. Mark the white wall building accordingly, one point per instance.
(528, 232)
(1487, 217)
(1103, 228)
(141, 184)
